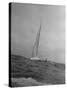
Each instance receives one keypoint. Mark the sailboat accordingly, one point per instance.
(35, 47)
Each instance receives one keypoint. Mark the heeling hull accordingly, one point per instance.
(35, 58)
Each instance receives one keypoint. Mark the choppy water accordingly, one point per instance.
(26, 82)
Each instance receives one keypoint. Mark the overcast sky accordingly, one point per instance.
(25, 24)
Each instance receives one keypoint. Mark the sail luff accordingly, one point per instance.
(37, 40)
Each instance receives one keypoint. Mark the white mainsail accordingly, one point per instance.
(35, 48)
